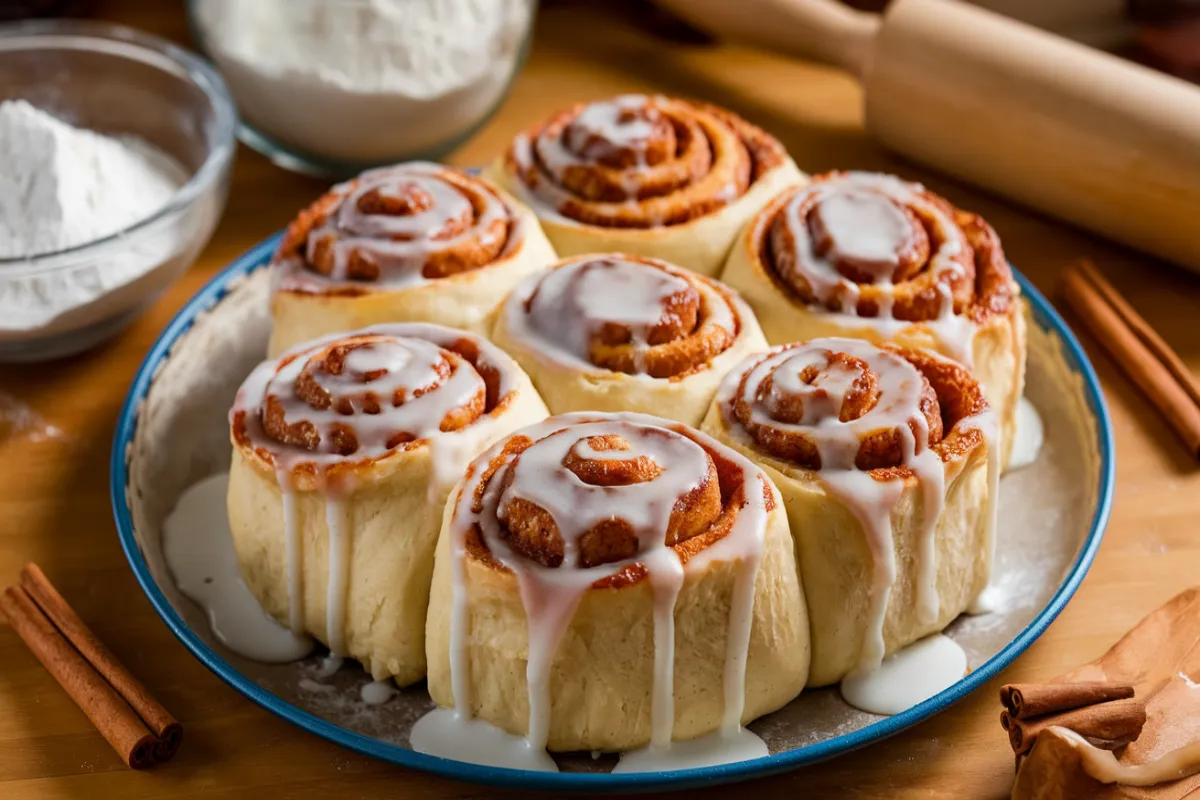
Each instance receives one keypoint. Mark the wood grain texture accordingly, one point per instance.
(54, 504)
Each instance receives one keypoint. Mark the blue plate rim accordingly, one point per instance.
(255, 258)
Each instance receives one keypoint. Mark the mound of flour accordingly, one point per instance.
(62, 186)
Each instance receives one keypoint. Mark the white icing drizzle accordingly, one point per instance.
(765, 383)
(392, 361)
(557, 313)
(340, 531)
(294, 554)
(551, 595)
(870, 500)
(865, 226)
(402, 243)
(908, 677)
(626, 124)
(1027, 443)
(1103, 766)
(861, 212)
(989, 425)
(601, 128)
(198, 547)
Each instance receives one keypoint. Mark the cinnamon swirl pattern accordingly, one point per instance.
(873, 257)
(649, 175)
(413, 242)
(888, 463)
(344, 451)
(608, 581)
(615, 332)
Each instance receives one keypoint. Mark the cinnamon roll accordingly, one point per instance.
(413, 242)
(614, 332)
(873, 257)
(607, 581)
(649, 175)
(344, 451)
(888, 464)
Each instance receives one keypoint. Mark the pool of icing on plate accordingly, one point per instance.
(1029, 437)
(908, 677)
(198, 546)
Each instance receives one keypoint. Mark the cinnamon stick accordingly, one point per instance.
(1025, 700)
(160, 722)
(1138, 351)
(1108, 725)
(111, 715)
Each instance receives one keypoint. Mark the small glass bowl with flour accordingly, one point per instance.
(333, 87)
(115, 152)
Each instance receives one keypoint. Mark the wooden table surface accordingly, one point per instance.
(54, 500)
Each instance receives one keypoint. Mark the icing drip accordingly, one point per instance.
(587, 313)
(670, 463)
(295, 569)
(351, 399)
(854, 412)
(340, 531)
(988, 424)
(908, 677)
(398, 226)
(779, 380)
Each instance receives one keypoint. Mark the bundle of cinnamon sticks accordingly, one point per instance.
(1139, 700)
(1106, 714)
(1138, 350)
(136, 725)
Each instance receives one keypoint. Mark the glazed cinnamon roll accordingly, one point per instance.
(888, 463)
(414, 242)
(873, 257)
(614, 332)
(607, 581)
(344, 451)
(649, 175)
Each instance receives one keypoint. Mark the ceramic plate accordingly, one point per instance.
(173, 431)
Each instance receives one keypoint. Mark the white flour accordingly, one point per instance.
(367, 81)
(62, 186)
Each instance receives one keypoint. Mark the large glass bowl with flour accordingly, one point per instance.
(115, 152)
(333, 87)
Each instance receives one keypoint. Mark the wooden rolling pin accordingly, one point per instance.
(1072, 131)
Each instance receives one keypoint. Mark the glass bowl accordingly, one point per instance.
(335, 87)
(121, 83)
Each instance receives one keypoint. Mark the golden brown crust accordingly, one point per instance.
(981, 286)
(681, 342)
(696, 159)
(949, 395)
(279, 433)
(309, 241)
(698, 519)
